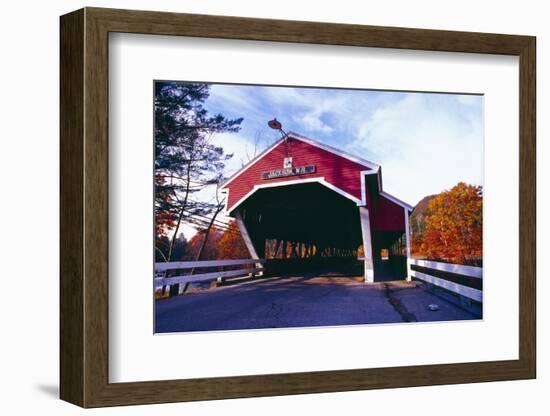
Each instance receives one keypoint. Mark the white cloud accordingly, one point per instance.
(312, 122)
(285, 96)
(309, 106)
(242, 147)
(424, 146)
(239, 99)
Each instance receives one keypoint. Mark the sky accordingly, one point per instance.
(425, 142)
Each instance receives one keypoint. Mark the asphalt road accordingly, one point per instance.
(301, 301)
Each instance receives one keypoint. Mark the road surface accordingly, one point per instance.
(302, 301)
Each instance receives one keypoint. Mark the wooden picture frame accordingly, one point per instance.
(84, 207)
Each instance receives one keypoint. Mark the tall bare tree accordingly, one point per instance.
(186, 160)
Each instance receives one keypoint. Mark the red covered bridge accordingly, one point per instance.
(304, 205)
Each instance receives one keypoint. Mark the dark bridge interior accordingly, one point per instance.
(304, 227)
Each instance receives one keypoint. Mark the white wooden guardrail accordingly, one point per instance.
(208, 276)
(467, 271)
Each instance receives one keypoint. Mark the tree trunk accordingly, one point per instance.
(203, 244)
(182, 210)
(174, 289)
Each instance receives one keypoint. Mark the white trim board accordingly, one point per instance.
(320, 180)
(396, 200)
(470, 271)
(362, 175)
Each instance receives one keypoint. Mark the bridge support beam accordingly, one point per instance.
(408, 242)
(367, 244)
(246, 238)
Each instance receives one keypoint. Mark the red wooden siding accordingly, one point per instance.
(337, 170)
(388, 216)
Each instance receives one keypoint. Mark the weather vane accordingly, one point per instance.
(276, 125)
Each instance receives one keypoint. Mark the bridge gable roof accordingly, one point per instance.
(331, 167)
(337, 170)
(295, 136)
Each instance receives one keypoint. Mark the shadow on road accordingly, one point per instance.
(308, 300)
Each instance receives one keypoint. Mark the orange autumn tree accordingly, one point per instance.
(210, 248)
(453, 226)
(223, 243)
(231, 244)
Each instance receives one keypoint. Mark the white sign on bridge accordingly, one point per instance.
(281, 173)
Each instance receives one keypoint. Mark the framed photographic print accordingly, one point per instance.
(255, 207)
